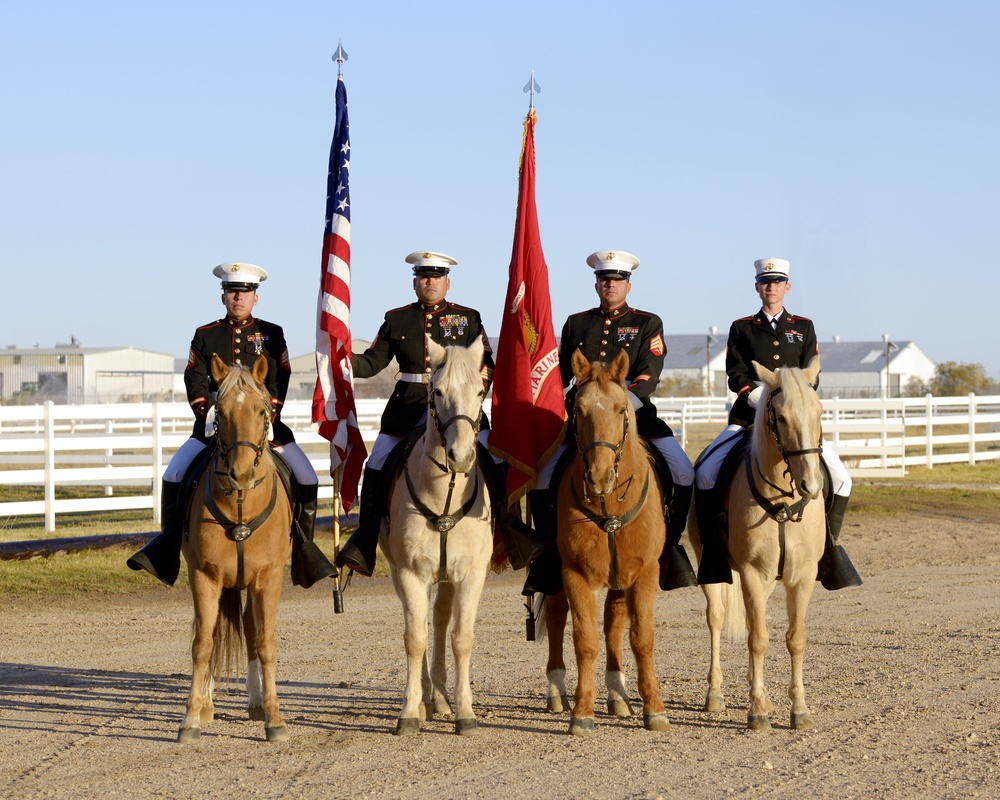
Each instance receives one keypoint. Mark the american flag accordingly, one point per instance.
(333, 401)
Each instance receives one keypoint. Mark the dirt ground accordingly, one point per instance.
(902, 676)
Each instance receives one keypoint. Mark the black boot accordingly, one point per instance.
(520, 541)
(675, 567)
(713, 567)
(360, 553)
(309, 564)
(545, 571)
(835, 568)
(161, 556)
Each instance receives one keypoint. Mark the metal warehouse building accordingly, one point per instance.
(74, 374)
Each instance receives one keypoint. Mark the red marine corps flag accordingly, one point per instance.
(333, 401)
(528, 415)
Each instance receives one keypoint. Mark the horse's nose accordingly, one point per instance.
(811, 489)
(461, 460)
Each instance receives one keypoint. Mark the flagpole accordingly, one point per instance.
(532, 88)
(338, 594)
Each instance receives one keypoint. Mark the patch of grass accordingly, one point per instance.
(99, 572)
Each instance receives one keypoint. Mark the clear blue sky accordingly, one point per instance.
(145, 143)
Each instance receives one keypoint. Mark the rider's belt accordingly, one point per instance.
(415, 377)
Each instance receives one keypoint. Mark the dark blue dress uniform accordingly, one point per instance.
(792, 344)
(238, 342)
(402, 337)
(600, 335)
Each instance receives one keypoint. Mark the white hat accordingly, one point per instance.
(239, 276)
(426, 262)
(609, 263)
(771, 269)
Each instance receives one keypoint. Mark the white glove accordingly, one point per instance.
(210, 422)
(755, 394)
(635, 401)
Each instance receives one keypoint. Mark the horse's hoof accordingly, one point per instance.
(715, 704)
(463, 727)
(758, 722)
(619, 707)
(426, 712)
(557, 703)
(656, 722)
(581, 726)
(407, 725)
(256, 713)
(279, 733)
(803, 722)
(187, 735)
(207, 714)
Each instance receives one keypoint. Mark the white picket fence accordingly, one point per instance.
(128, 445)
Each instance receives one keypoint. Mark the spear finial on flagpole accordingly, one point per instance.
(532, 88)
(340, 57)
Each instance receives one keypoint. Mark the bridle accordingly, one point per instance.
(445, 521)
(780, 512)
(609, 523)
(239, 530)
(441, 427)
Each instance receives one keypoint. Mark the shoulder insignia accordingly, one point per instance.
(656, 345)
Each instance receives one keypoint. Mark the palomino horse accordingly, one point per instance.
(239, 525)
(440, 532)
(776, 532)
(610, 532)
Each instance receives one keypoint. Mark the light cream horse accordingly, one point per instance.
(440, 533)
(776, 533)
(240, 524)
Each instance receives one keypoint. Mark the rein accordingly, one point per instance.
(446, 521)
(239, 530)
(611, 523)
(780, 512)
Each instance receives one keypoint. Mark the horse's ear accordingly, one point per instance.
(812, 370)
(619, 367)
(476, 350)
(435, 351)
(260, 368)
(581, 367)
(218, 368)
(772, 379)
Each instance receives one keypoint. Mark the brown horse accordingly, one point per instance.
(776, 533)
(239, 537)
(610, 533)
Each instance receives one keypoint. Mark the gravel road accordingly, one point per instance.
(902, 676)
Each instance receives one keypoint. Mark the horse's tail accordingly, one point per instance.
(735, 628)
(227, 638)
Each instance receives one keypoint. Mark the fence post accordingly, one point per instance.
(157, 459)
(929, 430)
(50, 468)
(972, 428)
(109, 453)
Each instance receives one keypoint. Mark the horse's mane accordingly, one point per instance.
(459, 369)
(793, 385)
(239, 377)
